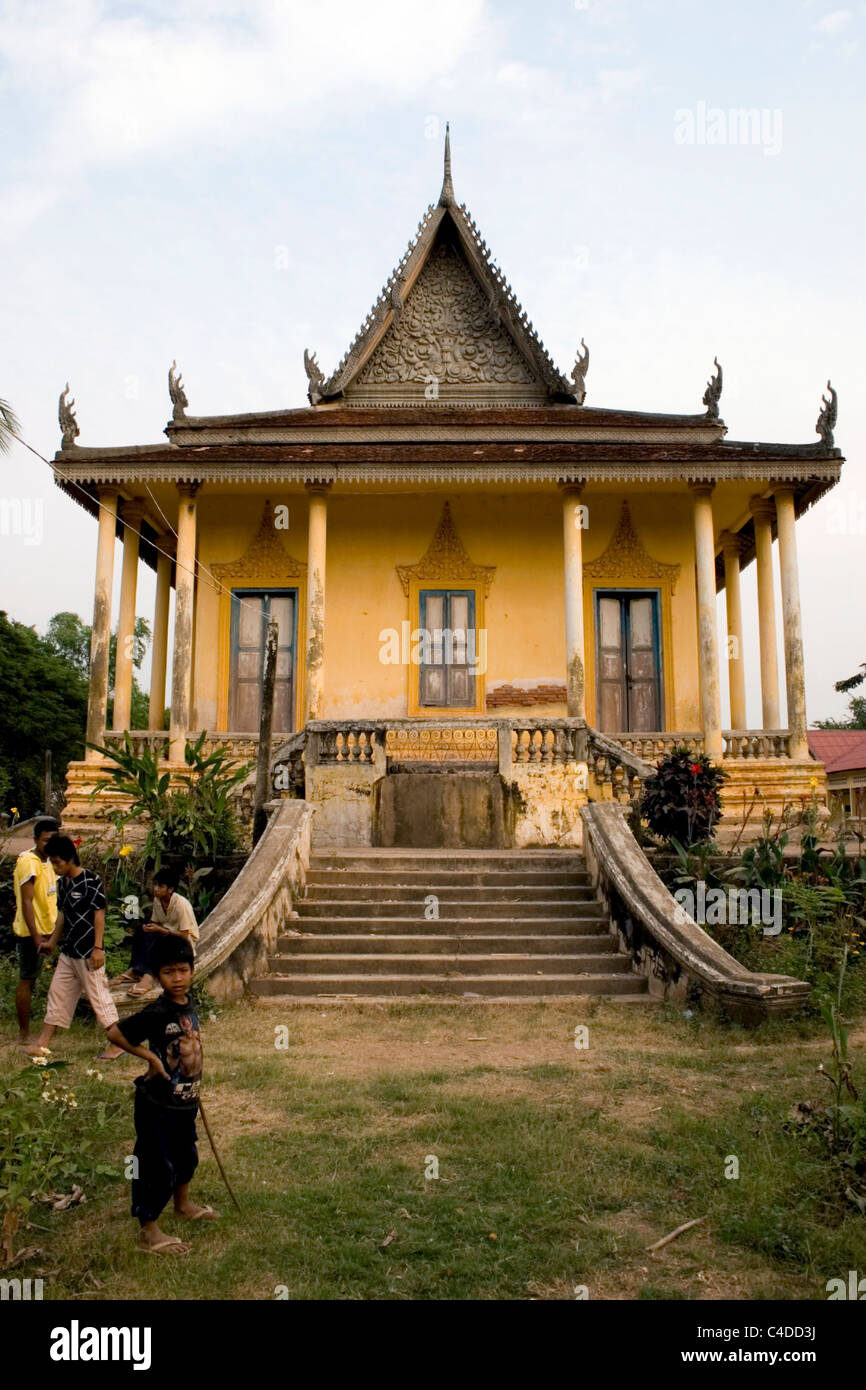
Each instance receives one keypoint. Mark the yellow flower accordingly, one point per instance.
(15, 810)
(813, 781)
(127, 849)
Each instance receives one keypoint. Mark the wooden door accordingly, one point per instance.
(446, 677)
(628, 662)
(252, 610)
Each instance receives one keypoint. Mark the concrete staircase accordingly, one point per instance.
(512, 924)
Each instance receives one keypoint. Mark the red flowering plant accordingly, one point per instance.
(682, 801)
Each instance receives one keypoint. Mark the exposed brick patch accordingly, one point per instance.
(534, 695)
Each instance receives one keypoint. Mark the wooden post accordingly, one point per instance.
(49, 790)
(266, 719)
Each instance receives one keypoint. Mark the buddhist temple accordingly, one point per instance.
(495, 600)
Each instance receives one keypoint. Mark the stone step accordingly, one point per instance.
(583, 925)
(373, 943)
(500, 963)
(336, 889)
(565, 861)
(462, 987)
(433, 878)
(530, 906)
(464, 925)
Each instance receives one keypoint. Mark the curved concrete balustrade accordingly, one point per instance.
(241, 932)
(237, 937)
(671, 949)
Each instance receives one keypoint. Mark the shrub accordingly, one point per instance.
(682, 802)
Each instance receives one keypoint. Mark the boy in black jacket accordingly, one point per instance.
(166, 1099)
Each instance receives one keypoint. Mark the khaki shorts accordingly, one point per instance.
(72, 979)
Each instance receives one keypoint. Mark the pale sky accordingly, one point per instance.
(228, 183)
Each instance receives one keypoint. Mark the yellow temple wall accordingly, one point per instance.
(518, 533)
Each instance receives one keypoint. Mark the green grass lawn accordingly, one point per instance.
(556, 1167)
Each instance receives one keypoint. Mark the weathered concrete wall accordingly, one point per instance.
(766, 784)
(429, 810)
(346, 798)
(542, 806)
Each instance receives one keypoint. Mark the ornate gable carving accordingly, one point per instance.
(625, 558)
(449, 341)
(265, 561)
(446, 561)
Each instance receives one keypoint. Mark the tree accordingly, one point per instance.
(856, 717)
(856, 705)
(69, 637)
(9, 426)
(43, 705)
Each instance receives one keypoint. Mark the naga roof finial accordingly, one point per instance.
(713, 392)
(578, 373)
(826, 422)
(179, 401)
(446, 197)
(315, 377)
(66, 418)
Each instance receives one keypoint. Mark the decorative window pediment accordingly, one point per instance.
(446, 561)
(265, 560)
(626, 559)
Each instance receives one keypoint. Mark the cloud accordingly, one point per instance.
(161, 81)
(834, 22)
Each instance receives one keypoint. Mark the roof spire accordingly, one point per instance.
(446, 197)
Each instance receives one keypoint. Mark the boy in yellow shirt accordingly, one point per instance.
(35, 884)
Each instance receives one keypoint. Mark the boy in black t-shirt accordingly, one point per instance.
(80, 967)
(166, 1098)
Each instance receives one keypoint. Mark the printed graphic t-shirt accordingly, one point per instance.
(79, 899)
(29, 866)
(171, 1031)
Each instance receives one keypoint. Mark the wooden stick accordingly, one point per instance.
(687, 1226)
(216, 1155)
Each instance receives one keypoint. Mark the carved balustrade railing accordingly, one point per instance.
(654, 745)
(242, 746)
(616, 767)
(736, 743)
(757, 743)
(139, 739)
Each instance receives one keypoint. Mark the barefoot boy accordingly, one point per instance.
(166, 1097)
(80, 967)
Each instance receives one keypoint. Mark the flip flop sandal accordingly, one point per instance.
(104, 1056)
(164, 1247)
(204, 1214)
(128, 977)
(138, 991)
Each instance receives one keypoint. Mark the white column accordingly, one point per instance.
(184, 588)
(575, 651)
(123, 663)
(315, 624)
(762, 512)
(100, 633)
(734, 607)
(708, 642)
(159, 652)
(795, 675)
